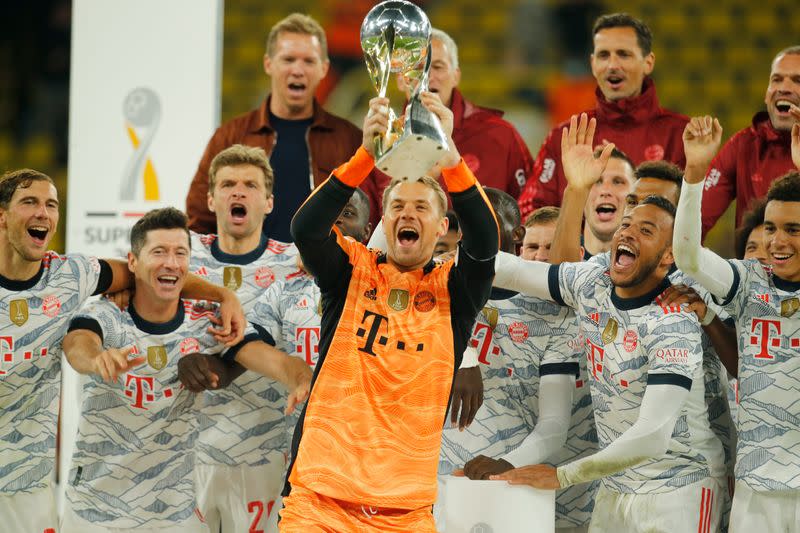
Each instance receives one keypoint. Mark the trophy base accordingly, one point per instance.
(411, 157)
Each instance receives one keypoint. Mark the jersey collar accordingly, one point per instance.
(627, 304)
(21, 285)
(427, 269)
(157, 328)
(785, 285)
(241, 259)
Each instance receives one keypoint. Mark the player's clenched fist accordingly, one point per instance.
(481, 467)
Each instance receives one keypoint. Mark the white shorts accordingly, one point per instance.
(764, 512)
(238, 498)
(694, 508)
(72, 523)
(33, 512)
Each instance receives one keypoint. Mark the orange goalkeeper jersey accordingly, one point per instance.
(390, 344)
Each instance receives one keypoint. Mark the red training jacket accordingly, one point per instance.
(744, 169)
(637, 126)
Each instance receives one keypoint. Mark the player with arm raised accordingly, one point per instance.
(394, 327)
(763, 299)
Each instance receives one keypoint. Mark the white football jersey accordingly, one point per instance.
(768, 416)
(630, 343)
(243, 424)
(35, 317)
(134, 454)
(517, 339)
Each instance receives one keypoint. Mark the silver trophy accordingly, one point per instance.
(396, 37)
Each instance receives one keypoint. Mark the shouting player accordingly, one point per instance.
(133, 465)
(394, 327)
(241, 450)
(40, 291)
(529, 352)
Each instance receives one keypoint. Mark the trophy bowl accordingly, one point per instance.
(395, 38)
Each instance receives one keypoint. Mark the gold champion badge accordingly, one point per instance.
(18, 311)
(398, 299)
(610, 331)
(156, 357)
(232, 277)
(789, 307)
(491, 315)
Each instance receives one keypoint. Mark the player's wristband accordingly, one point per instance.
(709, 318)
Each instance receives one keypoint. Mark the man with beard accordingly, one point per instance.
(754, 157)
(628, 113)
(661, 466)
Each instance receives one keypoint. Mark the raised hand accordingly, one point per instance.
(434, 104)
(701, 140)
(376, 123)
(795, 112)
(581, 168)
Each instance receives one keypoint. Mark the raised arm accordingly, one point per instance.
(526, 277)
(701, 138)
(581, 170)
(312, 224)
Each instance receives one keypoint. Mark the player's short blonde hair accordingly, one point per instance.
(298, 23)
(543, 215)
(433, 183)
(239, 154)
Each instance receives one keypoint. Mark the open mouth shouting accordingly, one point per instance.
(38, 233)
(238, 213)
(297, 88)
(407, 237)
(606, 212)
(782, 105)
(624, 257)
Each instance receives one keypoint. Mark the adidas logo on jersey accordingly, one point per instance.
(594, 318)
(371, 294)
(763, 297)
(302, 304)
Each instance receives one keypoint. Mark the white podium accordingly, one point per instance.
(496, 507)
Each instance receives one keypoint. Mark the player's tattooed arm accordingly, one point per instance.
(581, 170)
(199, 372)
(267, 360)
(84, 351)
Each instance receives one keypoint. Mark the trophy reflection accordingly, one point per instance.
(396, 38)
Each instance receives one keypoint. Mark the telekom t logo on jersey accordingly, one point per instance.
(137, 387)
(7, 352)
(482, 337)
(595, 356)
(766, 333)
(307, 343)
